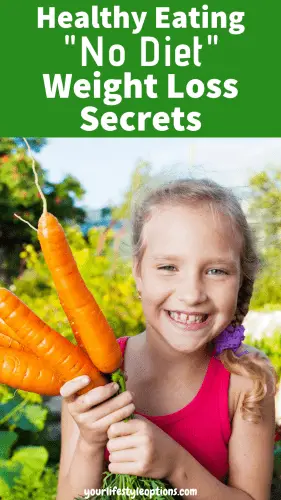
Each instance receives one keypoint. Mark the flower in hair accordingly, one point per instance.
(230, 338)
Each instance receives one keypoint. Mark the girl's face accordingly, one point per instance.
(189, 275)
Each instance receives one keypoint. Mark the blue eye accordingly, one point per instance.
(219, 271)
(167, 268)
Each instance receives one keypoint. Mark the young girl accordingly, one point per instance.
(204, 402)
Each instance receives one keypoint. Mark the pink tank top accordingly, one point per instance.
(202, 427)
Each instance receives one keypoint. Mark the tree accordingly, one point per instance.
(265, 206)
(139, 177)
(18, 194)
(265, 209)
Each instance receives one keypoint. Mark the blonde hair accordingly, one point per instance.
(191, 191)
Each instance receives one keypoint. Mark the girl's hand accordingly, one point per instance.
(138, 447)
(94, 412)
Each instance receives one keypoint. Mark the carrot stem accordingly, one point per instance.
(119, 377)
(36, 178)
(26, 222)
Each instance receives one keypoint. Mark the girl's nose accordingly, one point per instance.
(192, 293)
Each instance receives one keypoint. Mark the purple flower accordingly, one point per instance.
(230, 338)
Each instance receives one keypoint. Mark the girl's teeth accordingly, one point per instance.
(184, 318)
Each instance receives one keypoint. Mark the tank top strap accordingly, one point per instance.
(223, 402)
(122, 341)
(223, 397)
(218, 390)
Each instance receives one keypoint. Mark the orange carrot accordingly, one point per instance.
(6, 341)
(73, 327)
(9, 338)
(25, 371)
(59, 353)
(83, 312)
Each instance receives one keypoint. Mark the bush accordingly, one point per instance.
(271, 346)
(23, 471)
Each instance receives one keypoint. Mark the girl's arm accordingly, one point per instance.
(81, 466)
(250, 459)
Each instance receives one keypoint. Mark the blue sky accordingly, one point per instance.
(104, 166)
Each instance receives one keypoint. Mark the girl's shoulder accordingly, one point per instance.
(241, 384)
(252, 428)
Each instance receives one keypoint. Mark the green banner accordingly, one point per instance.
(151, 69)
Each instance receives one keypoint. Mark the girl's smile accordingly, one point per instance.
(192, 321)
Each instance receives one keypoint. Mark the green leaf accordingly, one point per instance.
(4, 488)
(33, 460)
(277, 461)
(9, 470)
(7, 439)
(30, 417)
(5, 391)
(9, 405)
(35, 416)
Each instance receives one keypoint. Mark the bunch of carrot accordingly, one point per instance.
(33, 356)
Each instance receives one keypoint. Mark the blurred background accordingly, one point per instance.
(89, 184)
